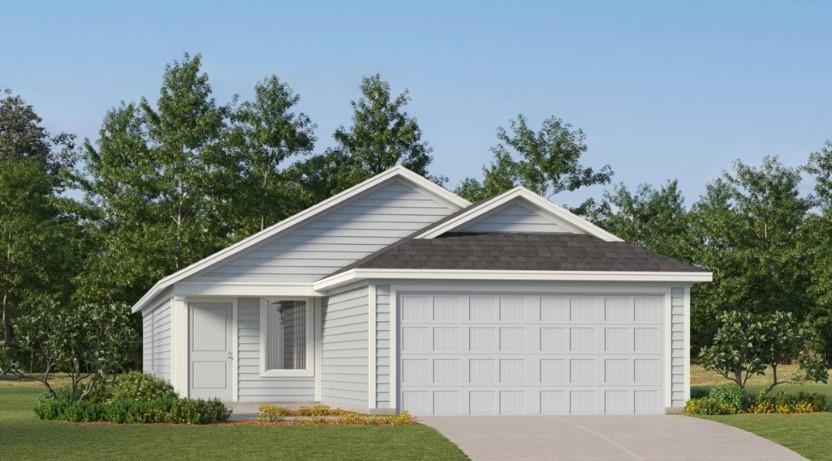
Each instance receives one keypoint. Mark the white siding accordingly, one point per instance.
(332, 240)
(251, 386)
(383, 346)
(516, 216)
(677, 347)
(344, 350)
(156, 342)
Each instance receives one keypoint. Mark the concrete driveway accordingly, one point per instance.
(603, 438)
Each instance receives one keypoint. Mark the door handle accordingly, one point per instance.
(230, 357)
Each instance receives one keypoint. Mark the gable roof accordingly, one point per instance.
(295, 220)
(474, 212)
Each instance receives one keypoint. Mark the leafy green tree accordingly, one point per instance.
(159, 178)
(653, 218)
(747, 344)
(382, 135)
(735, 352)
(816, 244)
(546, 161)
(84, 341)
(264, 135)
(747, 228)
(34, 253)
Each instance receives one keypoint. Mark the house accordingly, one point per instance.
(399, 295)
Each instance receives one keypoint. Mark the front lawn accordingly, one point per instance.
(809, 435)
(23, 436)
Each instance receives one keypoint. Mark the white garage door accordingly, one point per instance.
(530, 354)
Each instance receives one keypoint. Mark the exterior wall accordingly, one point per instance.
(334, 239)
(251, 386)
(517, 217)
(678, 348)
(156, 340)
(383, 346)
(345, 349)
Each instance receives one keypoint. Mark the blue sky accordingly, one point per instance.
(662, 89)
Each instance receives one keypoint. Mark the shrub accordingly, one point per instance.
(729, 397)
(706, 406)
(817, 400)
(187, 411)
(317, 410)
(140, 386)
(135, 399)
(272, 413)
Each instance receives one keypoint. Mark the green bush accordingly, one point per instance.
(187, 411)
(815, 399)
(132, 398)
(140, 386)
(730, 397)
(707, 406)
(779, 402)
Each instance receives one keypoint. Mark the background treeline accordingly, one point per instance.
(173, 179)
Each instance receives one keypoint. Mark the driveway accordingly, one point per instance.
(603, 438)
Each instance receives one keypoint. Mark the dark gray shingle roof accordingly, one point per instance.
(520, 251)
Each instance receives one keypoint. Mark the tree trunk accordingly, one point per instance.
(7, 321)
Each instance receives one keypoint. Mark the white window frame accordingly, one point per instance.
(309, 370)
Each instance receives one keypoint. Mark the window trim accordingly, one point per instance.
(309, 370)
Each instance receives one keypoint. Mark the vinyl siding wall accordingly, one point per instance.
(677, 347)
(251, 386)
(335, 239)
(156, 342)
(344, 350)
(383, 346)
(517, 217)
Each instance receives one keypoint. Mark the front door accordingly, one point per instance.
(210, 350)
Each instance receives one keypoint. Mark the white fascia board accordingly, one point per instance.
(529, 196)
(288, 223)
(252, 289)
(354, 275)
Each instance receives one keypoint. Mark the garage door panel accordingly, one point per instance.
(446, 339)
(554, 309)
(528, 354)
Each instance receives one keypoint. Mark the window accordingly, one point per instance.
(286, 337)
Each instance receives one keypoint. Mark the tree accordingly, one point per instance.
(786, 341)
(747, 229)
(264, 134)
(83, 340)
(747, 344)
(735, 353)
(653, 218)
(33, 253)
(546, 161)
(382, 136)
(816, 245)
(159, 179)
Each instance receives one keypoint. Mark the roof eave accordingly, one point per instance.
(354, 275)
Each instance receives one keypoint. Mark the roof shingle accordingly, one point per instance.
(520, 251)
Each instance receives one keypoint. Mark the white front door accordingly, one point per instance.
(530, 354)
(210, 350)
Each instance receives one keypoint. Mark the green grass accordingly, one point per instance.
(809, 435)
(23, 436)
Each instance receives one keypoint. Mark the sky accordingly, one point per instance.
(662, 90)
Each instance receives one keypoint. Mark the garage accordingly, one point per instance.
(531, 354)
